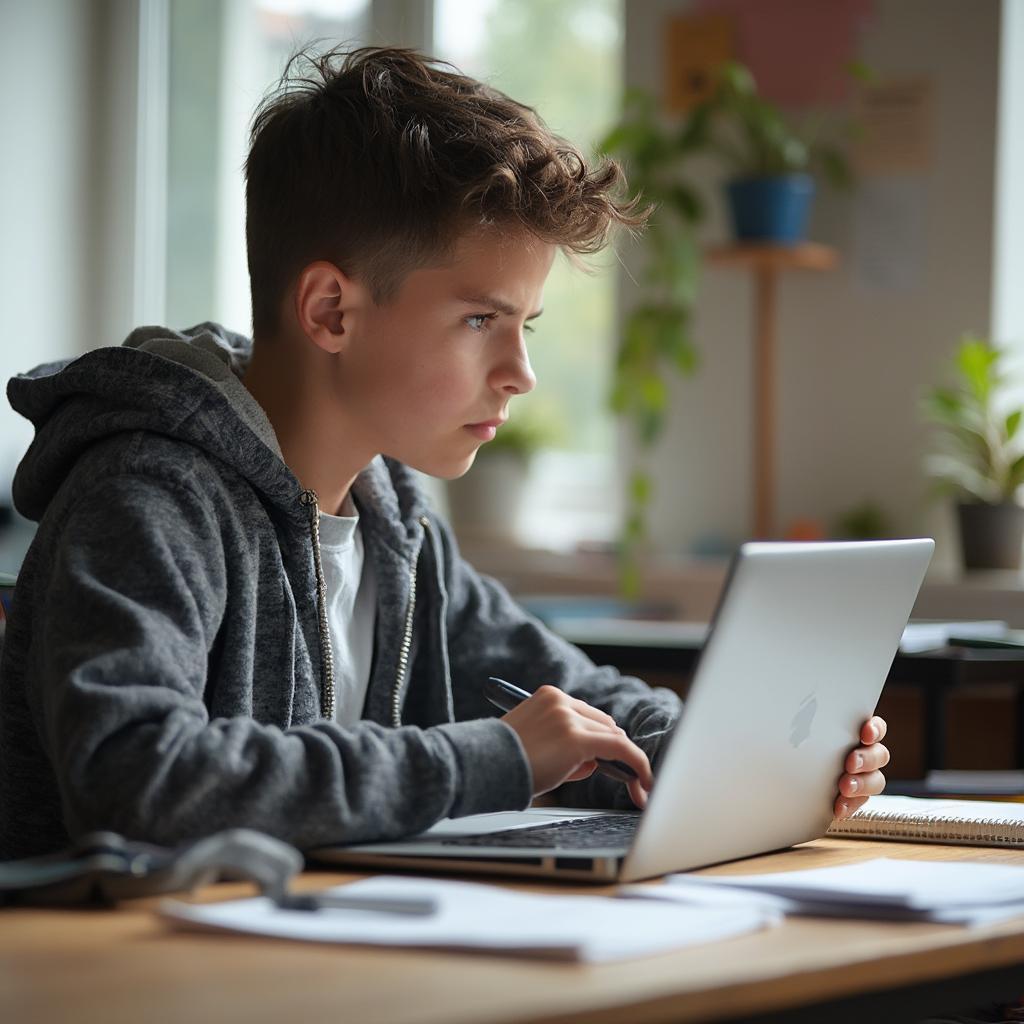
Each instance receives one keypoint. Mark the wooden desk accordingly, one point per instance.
(125, 965)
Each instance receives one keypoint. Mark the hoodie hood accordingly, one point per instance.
(184, 385)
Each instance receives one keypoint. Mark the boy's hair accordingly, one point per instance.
(377, 160)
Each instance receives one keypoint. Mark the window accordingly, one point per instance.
(223, 57)
(565, 60)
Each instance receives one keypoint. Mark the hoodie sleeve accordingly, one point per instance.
(490, 634)
(127, 612)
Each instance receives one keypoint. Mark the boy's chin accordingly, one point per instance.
(445, 469)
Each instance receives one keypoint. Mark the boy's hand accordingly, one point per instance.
(562, 736)
(863, 776)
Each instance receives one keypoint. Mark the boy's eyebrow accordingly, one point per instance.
(497, 304)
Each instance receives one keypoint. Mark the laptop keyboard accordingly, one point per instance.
(591, 833)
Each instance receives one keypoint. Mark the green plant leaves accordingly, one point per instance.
(977, 364)
(640, 487)
(737, 83)
(654, 337)
(978, 444)
(964, 478)
(834, 165)
(1015, 475)
(750, 137)
(943, 404)
(684, 200)
(1011, 425)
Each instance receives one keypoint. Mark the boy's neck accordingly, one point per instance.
(296, 398)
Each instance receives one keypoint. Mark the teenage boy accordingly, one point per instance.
(238, 610)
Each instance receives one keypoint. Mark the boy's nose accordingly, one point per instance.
(514, 376)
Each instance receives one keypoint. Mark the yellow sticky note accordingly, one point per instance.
(696, 46)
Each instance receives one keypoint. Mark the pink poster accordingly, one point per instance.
(798, 50)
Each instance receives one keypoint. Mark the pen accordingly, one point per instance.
(506, 696)
(417, 906)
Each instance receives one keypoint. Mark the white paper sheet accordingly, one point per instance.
(481, 917)
(929, 636)
(721, 896)
(954, 892)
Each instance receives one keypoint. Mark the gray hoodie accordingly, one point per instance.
(164, 671)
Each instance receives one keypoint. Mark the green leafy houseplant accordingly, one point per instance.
(521, 437)
(486, 503)
(754, 139)
(979, 455)
(750, 136)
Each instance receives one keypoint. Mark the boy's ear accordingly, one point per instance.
(324, 296)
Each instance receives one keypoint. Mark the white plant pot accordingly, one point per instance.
(487, 502)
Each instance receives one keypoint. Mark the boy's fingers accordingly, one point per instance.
(556, 697)
(845, 806)
(594, 714)
(873, 730)
(867, 759)
(868, 784)
(638, 794)
(584, 771)
(618, 747)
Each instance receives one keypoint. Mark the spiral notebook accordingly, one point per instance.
(910, 819)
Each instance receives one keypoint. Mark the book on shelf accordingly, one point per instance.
(913, 820)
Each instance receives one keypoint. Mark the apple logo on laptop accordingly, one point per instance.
(800, 727)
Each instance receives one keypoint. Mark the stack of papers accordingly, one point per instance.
(947, 892)
(472, 916)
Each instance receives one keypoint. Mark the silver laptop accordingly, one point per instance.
(794, 663)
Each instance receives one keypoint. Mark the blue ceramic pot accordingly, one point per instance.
(771, 209)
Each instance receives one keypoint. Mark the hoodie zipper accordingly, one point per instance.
(310, 500)
(406, 647)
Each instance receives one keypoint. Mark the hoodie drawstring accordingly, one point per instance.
(310, 500)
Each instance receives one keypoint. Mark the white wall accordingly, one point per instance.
(853, 361)
(1008, 295)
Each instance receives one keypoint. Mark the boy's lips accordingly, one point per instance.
(486, 429)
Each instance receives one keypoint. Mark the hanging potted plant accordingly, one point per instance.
(980, 456)
(755, 142)
(486, 503)
(773, 164)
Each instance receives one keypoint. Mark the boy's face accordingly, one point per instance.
(427, 377)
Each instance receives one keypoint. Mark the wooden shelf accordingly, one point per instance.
(766, 261)
(761, 256)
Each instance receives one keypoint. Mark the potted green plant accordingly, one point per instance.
(773, 163)
(979, 456)
(740, 128)
(487, 502)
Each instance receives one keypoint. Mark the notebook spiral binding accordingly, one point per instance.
(971, 832)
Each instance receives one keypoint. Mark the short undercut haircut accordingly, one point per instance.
(378, 159)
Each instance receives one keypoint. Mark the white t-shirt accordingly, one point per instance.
(351, 609)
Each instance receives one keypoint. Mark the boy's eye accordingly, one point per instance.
(478, 321)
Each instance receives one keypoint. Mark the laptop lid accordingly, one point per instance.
(794, 663)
